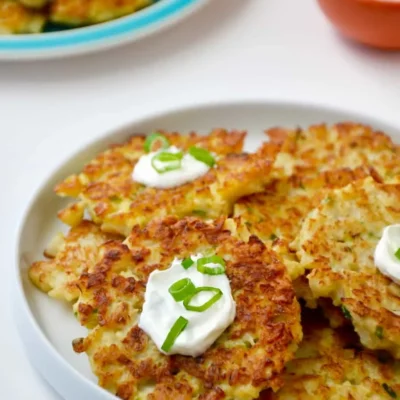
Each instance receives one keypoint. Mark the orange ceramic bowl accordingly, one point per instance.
(372, 22)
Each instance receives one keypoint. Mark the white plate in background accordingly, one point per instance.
(88, 39)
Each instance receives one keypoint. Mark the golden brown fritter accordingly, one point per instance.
(15, 18)
(243, 361)
(337, 242)
(330, 365)
(276, 215)
(321, 148)
(106, 189)
(71, 255)
(78, 12)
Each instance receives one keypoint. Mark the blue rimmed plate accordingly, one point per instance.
(162, 14)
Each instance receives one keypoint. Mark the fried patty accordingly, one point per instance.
(15, 18)
(277, 214)
(337, 243)
(70, 256)
(330, 365)
(322, 148)
(78, 12)
(247, 357)
(106, 189)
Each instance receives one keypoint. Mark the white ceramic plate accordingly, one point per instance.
(162, 14)
(47, 327)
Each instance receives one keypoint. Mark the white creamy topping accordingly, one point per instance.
(190, 170)
(385, 258)
(160, 310)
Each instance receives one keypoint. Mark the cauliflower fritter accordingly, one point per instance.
(15, 18)
(247, 357)
(337, 242)
(71, 255)
(330, 365)
(106, 189)
(78, 12)
(276, 215)
(322, 148)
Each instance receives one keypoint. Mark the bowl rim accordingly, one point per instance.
(108, 127)
(386, 3)
(163, 12)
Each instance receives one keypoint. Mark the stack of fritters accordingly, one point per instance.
(299, 217)
(332, 365)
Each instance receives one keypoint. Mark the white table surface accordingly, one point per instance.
(231, 49)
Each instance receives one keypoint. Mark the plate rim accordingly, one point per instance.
(27, 324)
(151, 19)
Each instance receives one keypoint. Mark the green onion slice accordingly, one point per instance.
(166, 161)
(202, 155)
(153, 139)
(178, 327)
(200, 213)
(217, 270)
(389, 391)
(346, 312)
(182, 289)
(379, 332)
(187, 263)
(397, 254)
(207, 304)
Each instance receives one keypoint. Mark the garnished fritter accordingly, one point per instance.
(78, 12)
(70, 256)
(247, 357)
(330, 365)
(337, 242)
(106, 189)
(322, 148)
(15, 18)
(276, 215)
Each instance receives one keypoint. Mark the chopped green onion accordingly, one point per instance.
(187, 263)
(178, 327)
(379, 332)
(154, 138)
(397, 254)
(207, 304)
(202, 155)
(204, 261)
(116, 199)
(182, 289)
(273, 237)
(200, 213)
(389, 391)
(346, 312)
(166, 161)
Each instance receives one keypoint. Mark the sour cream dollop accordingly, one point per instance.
(160, 310)
(384, 257)
(190, 170)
